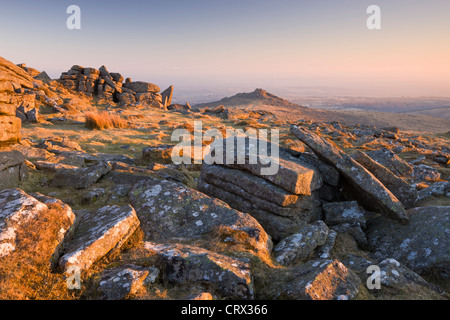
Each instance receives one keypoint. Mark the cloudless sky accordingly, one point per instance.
(255, 43)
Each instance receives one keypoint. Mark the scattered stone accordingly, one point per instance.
(343, 212)
(426, 173)
(391, 161)
(434, 190)
(324, 251)
(80, 178)
(299, 246)
(93, 195)
(184, 264)
(355, 230)
(122, 282)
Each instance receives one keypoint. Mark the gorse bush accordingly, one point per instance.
(104, 120)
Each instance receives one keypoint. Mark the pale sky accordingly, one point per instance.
(252, 43)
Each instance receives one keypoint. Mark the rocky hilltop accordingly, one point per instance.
(93, 207)
(256, 98)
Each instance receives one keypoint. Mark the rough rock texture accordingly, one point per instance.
(300, 245)
(343, 212)
(277, 227)
(11, 165)
(370, 191)
(262, 193)
(399, 187)
(422, 245)
(80, 178)
(9, 129)
(97, 234)
(122, 282)
(291, 174)
(166, 96)
(185, 264)
(322, 280)
(170, 210)
(391, 161)
(9, 72)
(17, 207)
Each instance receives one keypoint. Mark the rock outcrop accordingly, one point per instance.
(421, 245)
(365, 186)
(170, 210)
(109, 87)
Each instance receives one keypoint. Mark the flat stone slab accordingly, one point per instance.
(406, 193)
(97, 234)
(186, 264)
(370, 192)
(260, 192)
(291, 174)
(170, 210)
(422, 245)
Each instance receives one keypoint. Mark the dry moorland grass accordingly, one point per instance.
(104, 120)
(26, 273)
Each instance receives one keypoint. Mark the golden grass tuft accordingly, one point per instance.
(104, 120)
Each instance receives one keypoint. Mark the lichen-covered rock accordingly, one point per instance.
(324, 251)
(184, 264)
(321, 280)
(425, 173)
(396, 279)
(122, 282)
(399, 187)
(299, 246)
(343, 212)
(17, 208)
(10, 167)
(170, 210)
(289, 172)
(370, 192)
(436, 189)
(276, 226)
(97, 234)
(422, 245)
(265, 194)
(80, 178)
(391, 161)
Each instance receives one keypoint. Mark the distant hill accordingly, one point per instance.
(257, 98)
